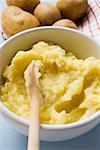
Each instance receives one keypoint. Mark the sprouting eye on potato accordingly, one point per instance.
(15, 20)
(47, 14)
(27, 5)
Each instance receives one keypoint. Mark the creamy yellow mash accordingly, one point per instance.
(70, 86)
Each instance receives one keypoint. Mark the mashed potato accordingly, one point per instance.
(70, 86)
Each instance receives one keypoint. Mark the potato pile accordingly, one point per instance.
(24, 14)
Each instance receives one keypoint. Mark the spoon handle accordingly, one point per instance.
(34, 128)
(33, 93)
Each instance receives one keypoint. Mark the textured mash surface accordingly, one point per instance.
(70, 86)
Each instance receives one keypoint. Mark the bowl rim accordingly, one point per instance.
(19, 120)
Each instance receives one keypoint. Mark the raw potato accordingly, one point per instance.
(65, 23)
(27, 5)
(14, 20)
(47, 14)
(72, 9)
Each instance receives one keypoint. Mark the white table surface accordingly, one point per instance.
(12, 140)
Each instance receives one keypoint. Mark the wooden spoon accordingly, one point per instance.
(34, 96)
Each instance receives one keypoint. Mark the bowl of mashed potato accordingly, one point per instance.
(68, 65)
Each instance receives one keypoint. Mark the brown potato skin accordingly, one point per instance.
(47, 14)
(15, 20)
(27, 5)
(72, 9)
(65, 23)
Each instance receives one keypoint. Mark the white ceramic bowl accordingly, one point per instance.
(71, 40)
